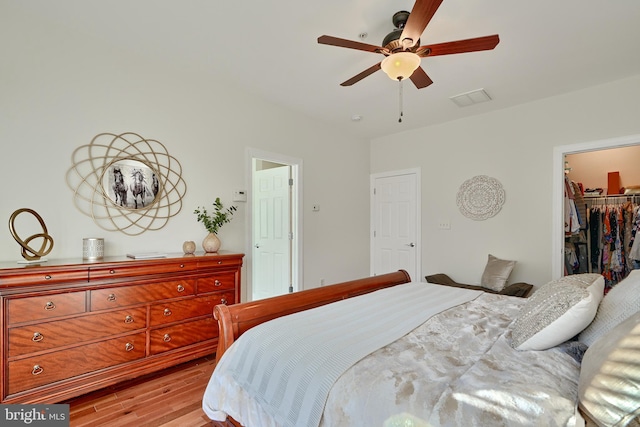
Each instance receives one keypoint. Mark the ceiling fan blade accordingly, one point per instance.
(421, 14)
(362, 75)
(350, 44)
(420, 78)
(459, 46)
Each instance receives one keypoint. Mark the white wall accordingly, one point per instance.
(592, 168)
(60, 89)
(515, 146)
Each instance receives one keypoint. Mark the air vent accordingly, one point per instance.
(469, 98)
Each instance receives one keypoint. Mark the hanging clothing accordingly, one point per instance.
(634, 243)
(580, 205)
(627, 212)
(614, 240)
(571, 216)
(595, 221)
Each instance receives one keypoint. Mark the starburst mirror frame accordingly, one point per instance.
(126, 183)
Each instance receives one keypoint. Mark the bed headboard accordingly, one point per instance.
(235, 319)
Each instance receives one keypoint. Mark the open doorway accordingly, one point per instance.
(558, 223)
(274, 224)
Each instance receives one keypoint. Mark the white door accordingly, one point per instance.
(271, 252)
(395, 224)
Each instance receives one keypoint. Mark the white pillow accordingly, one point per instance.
(557, 312)
(609, 385)
(622, 301)
(496, 273)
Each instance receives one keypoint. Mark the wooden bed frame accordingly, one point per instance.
(236, 319)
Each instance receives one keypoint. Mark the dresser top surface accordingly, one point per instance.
(10, 268)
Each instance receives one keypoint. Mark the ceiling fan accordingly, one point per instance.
(402, 49)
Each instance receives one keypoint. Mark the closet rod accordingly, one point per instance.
(613, 199)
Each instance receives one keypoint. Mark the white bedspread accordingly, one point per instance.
(455, 369)
(285, 368)
(458, 369)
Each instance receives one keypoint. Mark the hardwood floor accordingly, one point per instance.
(170, 398)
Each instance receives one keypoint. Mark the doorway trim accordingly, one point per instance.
(418, 214)
(557, 223)
(296, 212)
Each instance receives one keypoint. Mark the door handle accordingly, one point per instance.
(411, 244)
(257, 246)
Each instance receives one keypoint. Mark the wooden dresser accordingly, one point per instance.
(70, 327)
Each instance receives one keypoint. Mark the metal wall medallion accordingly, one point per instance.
(480, 197)
(126, 183)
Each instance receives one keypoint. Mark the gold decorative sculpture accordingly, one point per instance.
(27, 252)
(126, 182)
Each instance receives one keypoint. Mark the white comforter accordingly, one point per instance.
(455, 369)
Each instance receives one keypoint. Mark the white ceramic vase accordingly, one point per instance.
(211, 243)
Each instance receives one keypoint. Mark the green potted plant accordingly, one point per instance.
(213, 222)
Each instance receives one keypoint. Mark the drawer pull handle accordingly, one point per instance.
(166, 338)
(47, 277)
(37, 337)
(128, 346)
(223, 301)
(217, 283)
(49, 305)
(180, 288)
(128, 319)
(181, 265)
(111, 297)
(219, 262)
(167, 312)
(112, 272)
(37, 370)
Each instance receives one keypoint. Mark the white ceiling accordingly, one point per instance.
(547, 47)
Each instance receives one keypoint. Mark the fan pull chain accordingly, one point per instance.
(400, 100)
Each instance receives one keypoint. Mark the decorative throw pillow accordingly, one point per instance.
(609, 385)
(557, 312)
(621, 301)
(496, 273)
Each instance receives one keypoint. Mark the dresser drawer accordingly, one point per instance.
(45, 369)
(49, 335)
(216, 282)
(44, 276)
(165, 339)
(45, 307)
(175, 311)
(219, 261)
(134, 269)
(122, 296)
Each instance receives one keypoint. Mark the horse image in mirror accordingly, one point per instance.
(155, 185)
(119, 187)
(139, 187)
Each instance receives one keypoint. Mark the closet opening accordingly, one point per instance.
(558, 188)
(601, 213)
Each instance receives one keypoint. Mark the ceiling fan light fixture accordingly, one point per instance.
(401, 65)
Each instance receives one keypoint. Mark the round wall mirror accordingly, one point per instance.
(126, 182)
(131, 184)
